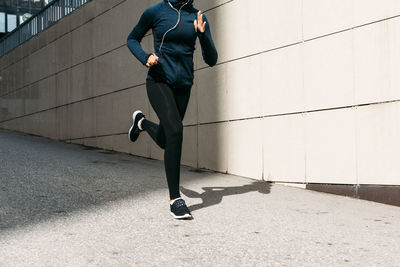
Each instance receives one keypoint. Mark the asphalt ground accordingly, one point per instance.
(69, 205)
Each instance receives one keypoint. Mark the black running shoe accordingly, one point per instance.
(134, 131)
(179, 210)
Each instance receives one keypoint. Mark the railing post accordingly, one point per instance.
(53, 12)
(62, 7)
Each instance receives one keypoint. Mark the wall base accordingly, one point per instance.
(387, 194)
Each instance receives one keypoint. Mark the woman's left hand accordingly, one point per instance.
(199, 24)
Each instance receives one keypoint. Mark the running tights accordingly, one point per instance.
(170, 105)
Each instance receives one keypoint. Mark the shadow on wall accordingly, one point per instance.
(208, 90)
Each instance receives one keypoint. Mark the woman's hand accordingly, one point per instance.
(152, 60)
(199, 24)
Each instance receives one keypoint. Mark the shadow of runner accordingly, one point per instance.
(213, 195)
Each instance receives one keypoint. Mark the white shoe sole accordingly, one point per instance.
(133, 122)
(186, 216)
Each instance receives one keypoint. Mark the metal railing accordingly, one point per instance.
(46, 17)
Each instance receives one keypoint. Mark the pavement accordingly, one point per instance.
(69, 205)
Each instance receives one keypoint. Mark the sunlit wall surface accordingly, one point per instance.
(304, 91)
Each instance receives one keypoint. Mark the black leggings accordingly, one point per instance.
(170, 105)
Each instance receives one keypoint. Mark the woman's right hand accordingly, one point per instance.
(152, 60)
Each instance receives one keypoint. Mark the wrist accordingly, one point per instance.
(147, 58)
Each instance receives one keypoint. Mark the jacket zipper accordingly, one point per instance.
(179, 44)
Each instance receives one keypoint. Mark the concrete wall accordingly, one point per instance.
(305, 90)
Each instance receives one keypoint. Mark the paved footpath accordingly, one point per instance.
(67, 205)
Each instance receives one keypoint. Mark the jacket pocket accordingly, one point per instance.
(157, 72)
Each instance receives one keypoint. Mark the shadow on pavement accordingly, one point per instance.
(41, 179)
(213, 195)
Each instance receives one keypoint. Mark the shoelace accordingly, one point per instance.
(179, 203)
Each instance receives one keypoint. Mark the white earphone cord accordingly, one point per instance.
(179, 19)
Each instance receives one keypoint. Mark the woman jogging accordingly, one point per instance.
(175, 24)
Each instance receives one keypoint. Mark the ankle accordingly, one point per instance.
(172, 200)
(140, 123)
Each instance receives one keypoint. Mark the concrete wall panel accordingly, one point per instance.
(121, 143)
(213, 146)
(63, 127)
(32, 100)
(102, 6)
(212, 94)
(377, 62)
(328, 72)
(91, 142)
(48, 124)
(104, 115)
(59, 29)
(104, 142)
(19, 74)
(243, 89)
(330, 147)
(126, 71)
(284, 148)
(221, 98)
(378, 145)
(47, 94)
(63, 86)
(190, 146)
(282, 81)
(244, 148)
(366, 11)
(325, 17)
(82, 15)
(82, 40)
(63, 53)
(83, 81)
(155, 151)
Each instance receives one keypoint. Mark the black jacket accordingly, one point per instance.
(174, 43)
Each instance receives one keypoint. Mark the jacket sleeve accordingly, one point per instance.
(135, 37)
(208, 49)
